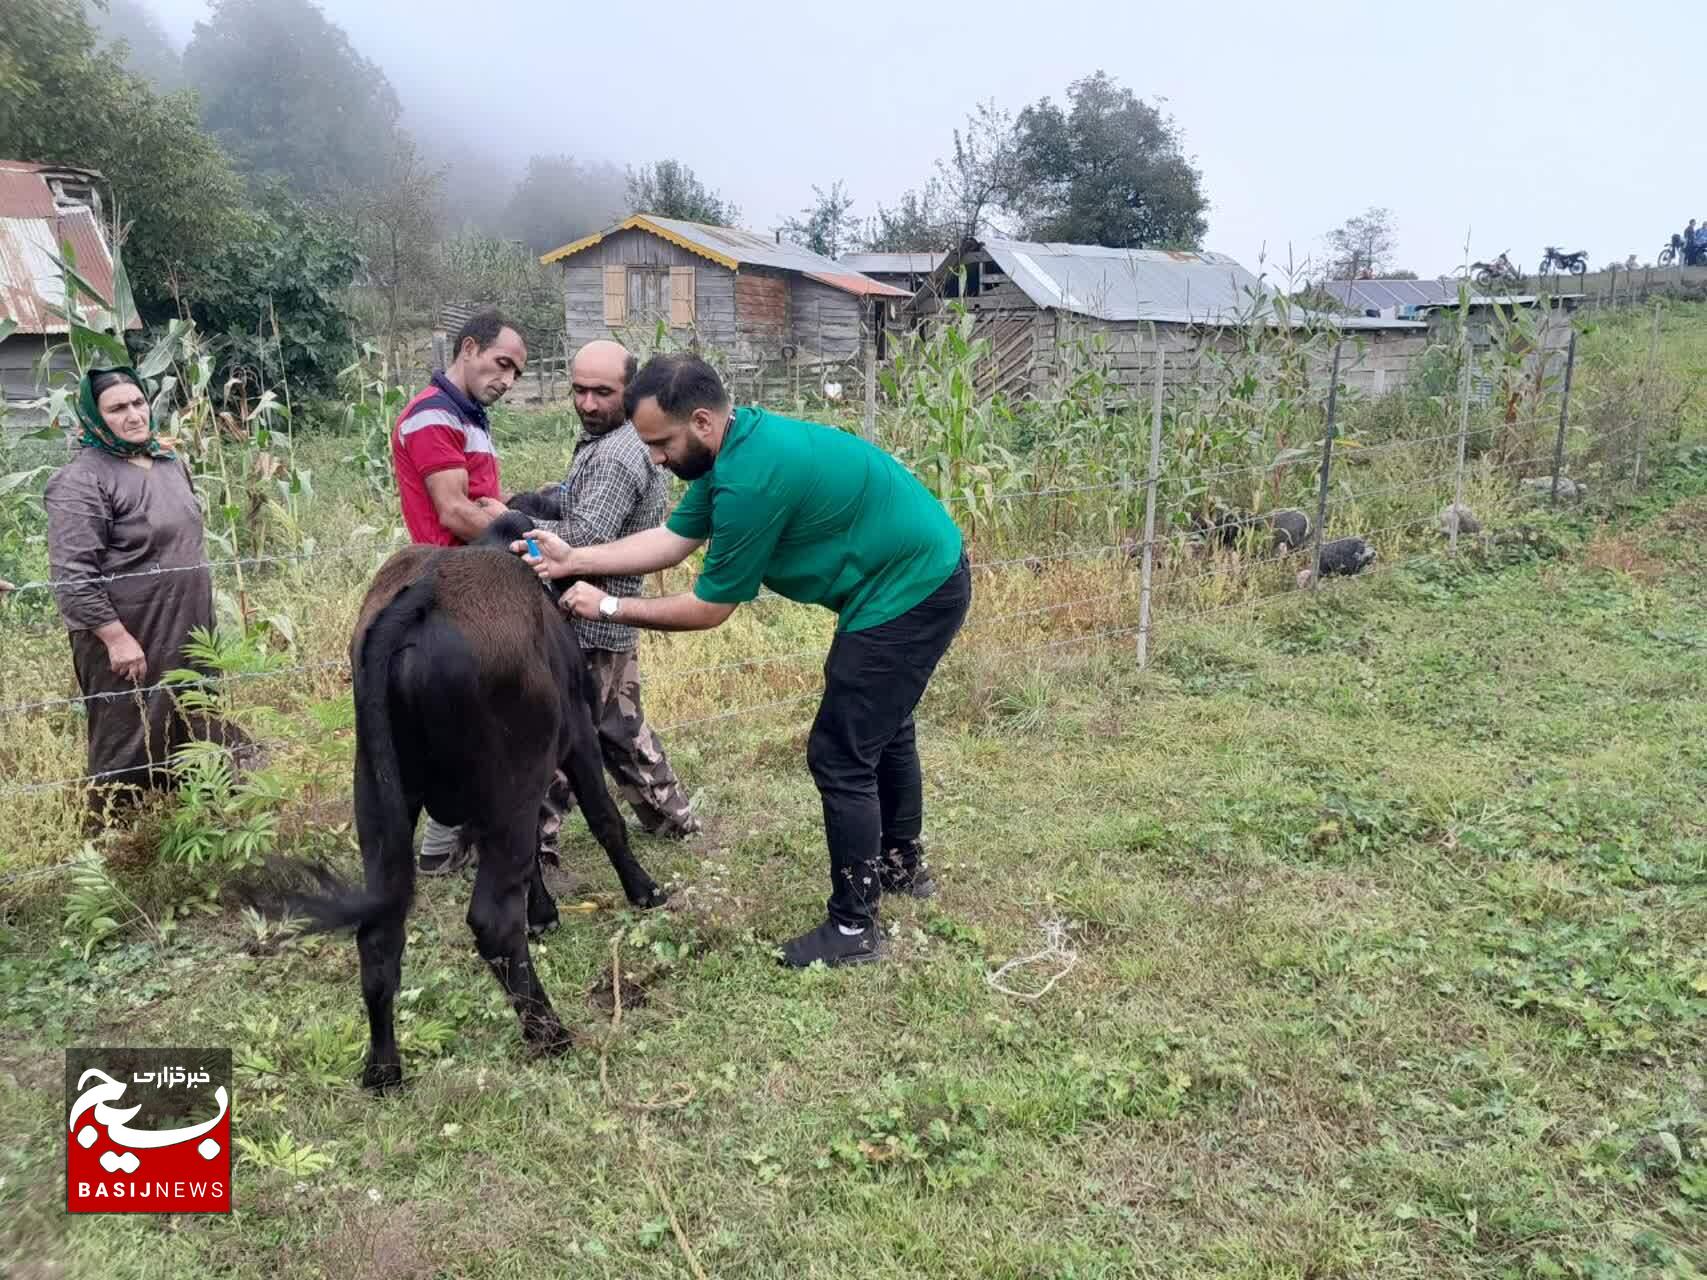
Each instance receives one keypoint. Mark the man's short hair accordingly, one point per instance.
(484, 327)
(679, 383)
(630, 367)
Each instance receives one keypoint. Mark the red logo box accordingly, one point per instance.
(148, 1130)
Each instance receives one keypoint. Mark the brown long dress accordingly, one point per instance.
(114, 516)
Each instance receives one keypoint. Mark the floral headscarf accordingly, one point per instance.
(98, 435)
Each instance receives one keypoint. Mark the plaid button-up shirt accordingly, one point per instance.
(611, 491)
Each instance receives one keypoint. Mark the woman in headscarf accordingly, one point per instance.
(125, 543)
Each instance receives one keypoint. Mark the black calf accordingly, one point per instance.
(470, 690)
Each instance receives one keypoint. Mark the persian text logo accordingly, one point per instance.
(148, 1130)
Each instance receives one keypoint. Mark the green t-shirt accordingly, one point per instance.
(819, 516)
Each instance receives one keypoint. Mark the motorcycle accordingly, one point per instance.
(1558, 259)
(1676, 251)
(1486, 273)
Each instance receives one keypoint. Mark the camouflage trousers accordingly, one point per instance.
(632, 753)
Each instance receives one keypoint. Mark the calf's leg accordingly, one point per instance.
(498, 917)
(389, 872)
(542, 907)
(585, 766)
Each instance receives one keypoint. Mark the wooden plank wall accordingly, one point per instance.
(826, 320)
(761, 311)
(584, 311)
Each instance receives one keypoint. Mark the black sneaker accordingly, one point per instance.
(828, 943)
(903, 870)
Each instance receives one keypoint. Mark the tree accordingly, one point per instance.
(285, 93)
(287, 267)
(395, 221)
(827, 225)
(917, 223)
(1363, 246)
(148, 52)
(985, 175)
(1108, 170)
(559, 200)
(672, 190)
(64, 100)
(507, 274)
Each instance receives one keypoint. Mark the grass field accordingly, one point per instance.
(1380, 914)
(1389, 911)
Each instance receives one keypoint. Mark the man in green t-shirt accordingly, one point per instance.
(822, 517)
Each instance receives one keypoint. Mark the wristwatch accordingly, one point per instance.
(609, 605)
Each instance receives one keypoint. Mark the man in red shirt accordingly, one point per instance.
(447, 475)
(441, 447)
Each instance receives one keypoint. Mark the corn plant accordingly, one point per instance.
(372, 406)
(958, 458)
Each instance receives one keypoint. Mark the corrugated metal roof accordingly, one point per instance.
(734, 248)
(32, 229)
(1167, 286)
(893, 264)
(1132, 284)
(1400, 295)
(23, 192)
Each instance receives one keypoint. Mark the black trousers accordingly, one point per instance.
(862, 751)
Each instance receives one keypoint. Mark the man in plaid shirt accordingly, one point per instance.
(612, 490)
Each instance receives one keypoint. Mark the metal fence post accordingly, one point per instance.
(1469, 356)
(1564, 417)
(1646, 399)
(1327, 466)
(1150, 516)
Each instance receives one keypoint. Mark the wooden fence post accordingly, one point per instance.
(1645, 400)
(1469, 357)
(1564, 417)
(1149, 552)
(1327, 467)
(870, 419)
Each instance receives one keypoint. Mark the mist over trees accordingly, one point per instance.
(271, 134)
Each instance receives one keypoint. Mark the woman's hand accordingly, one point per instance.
(555, 555)
(125, 656)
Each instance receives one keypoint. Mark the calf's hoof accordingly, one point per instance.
(382, 1077)
(648, 897)
(542, 918)
(547, 1037)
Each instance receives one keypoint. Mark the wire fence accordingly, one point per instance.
(1185, 571)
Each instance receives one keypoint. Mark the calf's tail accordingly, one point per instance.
(384, 823)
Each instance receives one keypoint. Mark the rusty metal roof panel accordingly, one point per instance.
(32, 287)
(23, 191)
(30, 282)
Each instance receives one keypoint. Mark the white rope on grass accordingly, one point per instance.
(1055, 949)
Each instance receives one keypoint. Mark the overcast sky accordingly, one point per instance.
(1574, 123)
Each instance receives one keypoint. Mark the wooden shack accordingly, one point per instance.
(1048, 308)
(753, 298)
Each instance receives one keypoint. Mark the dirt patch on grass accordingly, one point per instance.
(1686, 517)
(405, 1241)
(1620, 553)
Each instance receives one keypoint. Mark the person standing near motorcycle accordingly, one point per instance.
(1691, 252)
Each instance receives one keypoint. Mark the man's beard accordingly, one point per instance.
(598, 425)
(698, 461)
